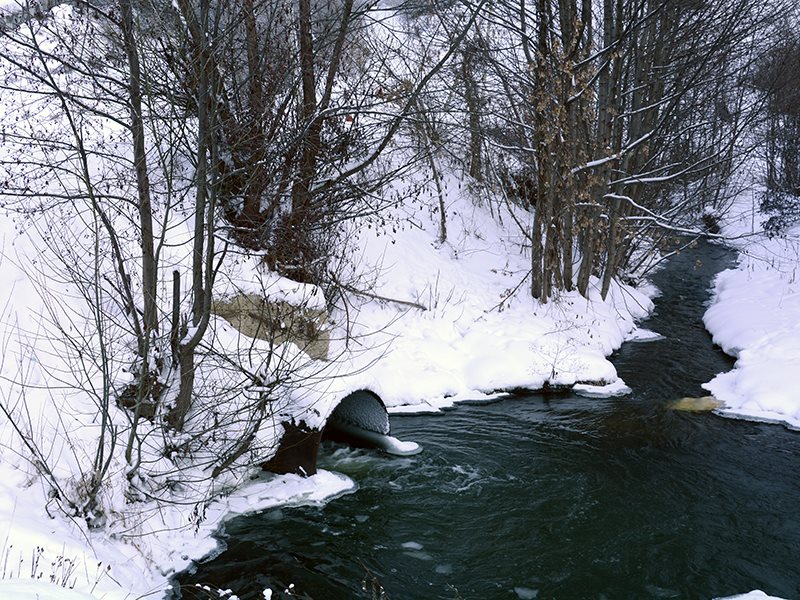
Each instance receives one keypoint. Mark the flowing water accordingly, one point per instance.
(552, 496)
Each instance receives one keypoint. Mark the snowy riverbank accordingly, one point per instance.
(755, 317)
(474, 331)
(421, 321)
(467, 336)
(429, 323)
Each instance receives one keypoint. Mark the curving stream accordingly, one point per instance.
(553, 496)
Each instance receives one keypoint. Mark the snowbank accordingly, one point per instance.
(443, 322)
(754, 595)
(755, 316)
(46, 557)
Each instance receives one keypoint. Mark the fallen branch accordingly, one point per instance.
(372, 296)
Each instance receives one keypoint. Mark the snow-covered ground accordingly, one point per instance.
(436, 322)
(450, 321)
(755, 317)
(469, 337)
(47, 557)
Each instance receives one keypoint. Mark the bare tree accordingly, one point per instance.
(595, 115)
(776, 76)
(185, 139)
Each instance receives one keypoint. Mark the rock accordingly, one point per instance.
(277, 321)
(702, 404)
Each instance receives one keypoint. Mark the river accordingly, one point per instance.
(552, 496)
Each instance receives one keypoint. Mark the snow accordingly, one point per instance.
(754, 595)
(615, 388)
(524, 593)
(755, 317)
(9, 6)
(441, 323)
(643, 335)
(270, 491)
(474, 340)
(21, 589)
(50, 549)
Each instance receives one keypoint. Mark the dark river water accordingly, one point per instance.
(552, 496)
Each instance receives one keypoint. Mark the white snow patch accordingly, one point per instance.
(27, 589)
(615, 388)
(643, 335)
(754, 595)
(269, 491)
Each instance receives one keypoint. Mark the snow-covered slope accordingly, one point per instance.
(475, 331)
(443, 321)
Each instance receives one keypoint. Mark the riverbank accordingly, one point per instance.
(416, 358)
(755, 317)
(423, 321)
(448, 320)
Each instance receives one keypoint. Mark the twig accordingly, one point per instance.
(358, 292)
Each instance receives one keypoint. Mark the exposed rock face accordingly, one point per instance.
(277, 321)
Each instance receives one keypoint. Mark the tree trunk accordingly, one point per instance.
(149, 267)
(471, 95)
(203, 234)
